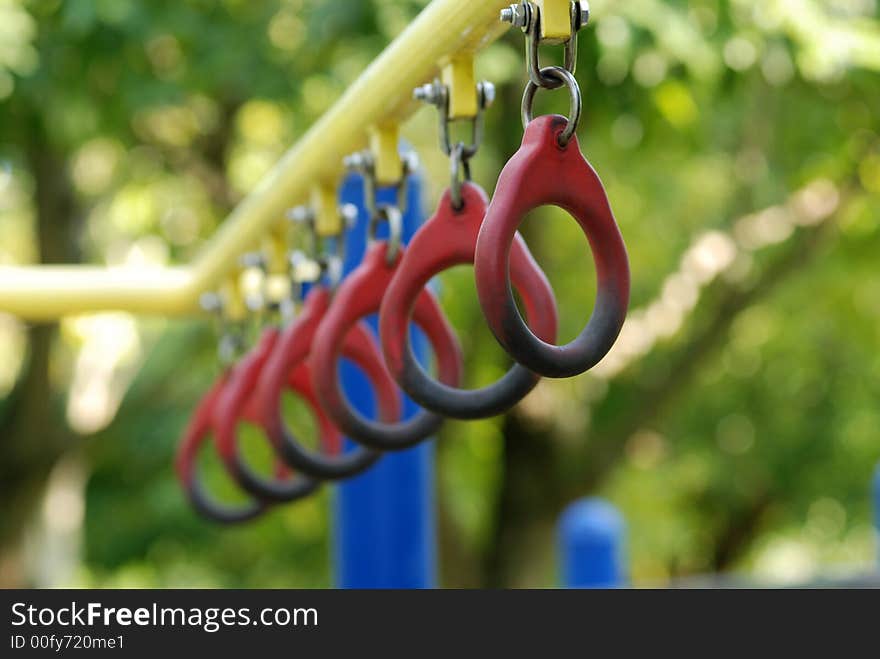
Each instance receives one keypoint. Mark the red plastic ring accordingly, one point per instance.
(448, 239)
(237, 403)
(544, 173)
(360, 295)
(300, 382)
(198, 431)
(292, 350)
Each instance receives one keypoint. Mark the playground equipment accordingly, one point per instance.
(365, 256)
(390, 279)
(445, 36)
(549, 169)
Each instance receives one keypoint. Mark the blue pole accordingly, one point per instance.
(384, 525)
(876, 501)
(591, 539)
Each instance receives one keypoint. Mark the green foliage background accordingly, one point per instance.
(738, 427)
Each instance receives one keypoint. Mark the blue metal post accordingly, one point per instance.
(591, 540)
(384, 524)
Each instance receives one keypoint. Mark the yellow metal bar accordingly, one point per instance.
(48, 292)
(387, 164)
(328, 221)
(381, 95)
(555, 19)
(461, 83)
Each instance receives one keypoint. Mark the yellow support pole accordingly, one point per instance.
(325, 205)
(461, 82)
(387, 164)
(555, 20)
(380, 97)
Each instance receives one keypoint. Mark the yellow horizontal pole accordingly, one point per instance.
(382, 94)
(48, 292)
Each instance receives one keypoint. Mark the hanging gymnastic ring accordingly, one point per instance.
(446, 240)
(359, 296)
(543, 173)
(197, 432)
(287, 445)
(293, 348)
(235, 404)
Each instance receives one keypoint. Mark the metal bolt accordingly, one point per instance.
(433, 93)
(301, 214)
(253, 260)
(582, 13)
(352, 161)
(360, 161)
(211, 302)
(349, 215)
(305, 269)
(485, 93)
(518, 15)
(297, 258)
(410, 162)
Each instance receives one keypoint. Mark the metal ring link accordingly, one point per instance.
(575, 105)
(392, 215)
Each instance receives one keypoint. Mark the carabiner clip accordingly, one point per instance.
(448, 239)
(546, 172)
(360, 295)
(292, 351)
